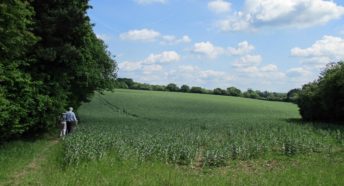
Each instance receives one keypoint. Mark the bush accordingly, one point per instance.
(323, 100)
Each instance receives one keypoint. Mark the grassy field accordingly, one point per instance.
(161, 138)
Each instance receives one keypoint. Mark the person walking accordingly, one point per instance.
(71, 120)
(63, 125)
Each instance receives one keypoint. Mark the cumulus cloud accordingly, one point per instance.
(249, 65)
(248, 61)
(170, 39)
(298, 72)
(149, 35)
(281, 13)
(243, 48)
(327, 49)
(149, 69)
(130, 66)
(207, 49)
(152, 63)
(219, 6)
(164, 57)
(150, 1)
(195, 76)
(140, 35)
(301, 75)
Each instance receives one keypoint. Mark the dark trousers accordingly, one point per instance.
(70, 126)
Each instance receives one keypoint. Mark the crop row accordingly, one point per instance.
(193, 144)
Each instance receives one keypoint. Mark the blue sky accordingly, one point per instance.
(273, 45)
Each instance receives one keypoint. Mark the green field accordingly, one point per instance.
(129, 137)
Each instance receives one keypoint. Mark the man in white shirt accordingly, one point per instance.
(71, 120)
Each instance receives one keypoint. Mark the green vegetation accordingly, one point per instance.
(50, 59)
(132, 137)
(323, 100)
(127, 83)
(191, 129)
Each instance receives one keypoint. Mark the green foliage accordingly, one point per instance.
(293, 95)
(197, 90)
(19, 99)
(185, 88)
(232, 91)
(45, 66)
(219, 91)
(324, 98)
(172, 87)
(141, 86)
(251, 94)
(186, 129)
(129, 82)
(158, 87)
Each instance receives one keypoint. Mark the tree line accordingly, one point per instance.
(50, 59)
(291, 96)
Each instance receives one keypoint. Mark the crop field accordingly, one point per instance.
(192, 130)
(130, 137)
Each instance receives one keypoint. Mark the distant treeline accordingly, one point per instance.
(291, 96)
(50, 59)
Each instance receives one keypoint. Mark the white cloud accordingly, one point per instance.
(250, 66)
(129, 66)
(219, 6)
(149, 69)
(150, 64)
(243, 48)
(248, 61)
(282, 13)
(150, 1)
(140, 35)
(164, 57)
(298, 72)
(208, 49)
(237, 22)
(326, 50)
(149, 35)
(170, 39)
(301, 75)
(193, 75)
(269, 68)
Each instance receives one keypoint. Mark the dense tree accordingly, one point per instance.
(129, 82)
(219, 91)
(196, 90)
(19, 99)
(172, 87)
(251, 94)
(185, 88)
(232, 91)
(45, 66)
(158, 87)
(293, 95)
(121, 84)
(324, 98)
(141, 86)
(69, 46)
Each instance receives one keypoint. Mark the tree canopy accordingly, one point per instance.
(323, 99)
(50, 59)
